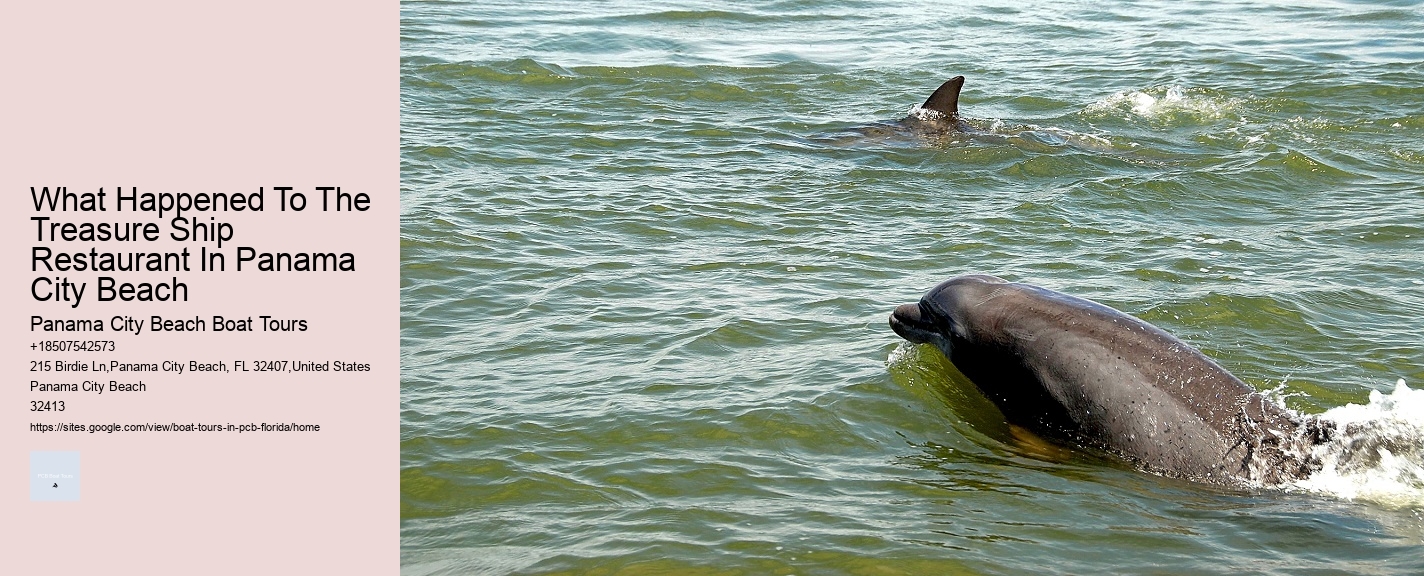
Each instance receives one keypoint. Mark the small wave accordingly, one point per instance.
(1377, 453)
(1048, 138)
(1169, 103)
(1028, 137)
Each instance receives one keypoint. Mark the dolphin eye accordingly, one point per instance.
(951, 327)
(934, 316)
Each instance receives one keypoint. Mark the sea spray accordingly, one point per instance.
(1174, 103)
(1377, 453)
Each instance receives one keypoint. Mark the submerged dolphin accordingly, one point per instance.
(937, 117)
(937, 122)
(1078, 371)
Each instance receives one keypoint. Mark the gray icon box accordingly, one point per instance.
(54, 476)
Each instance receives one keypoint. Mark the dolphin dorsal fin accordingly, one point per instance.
(945, 100)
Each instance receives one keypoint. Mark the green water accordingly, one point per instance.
(649, 251)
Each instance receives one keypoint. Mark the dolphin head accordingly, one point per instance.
(943, 316)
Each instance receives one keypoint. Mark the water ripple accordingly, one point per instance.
(648, 253)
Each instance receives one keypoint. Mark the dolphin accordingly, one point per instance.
(1082, 373)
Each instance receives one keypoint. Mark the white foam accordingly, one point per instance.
(1144, 104)
(900, 355)
(1170, 100)
(926, 114)
(1377, 453)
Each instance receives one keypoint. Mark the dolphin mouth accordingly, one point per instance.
(908, 320)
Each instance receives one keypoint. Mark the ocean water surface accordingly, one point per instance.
(649, 250)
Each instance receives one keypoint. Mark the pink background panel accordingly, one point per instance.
(200, 97)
